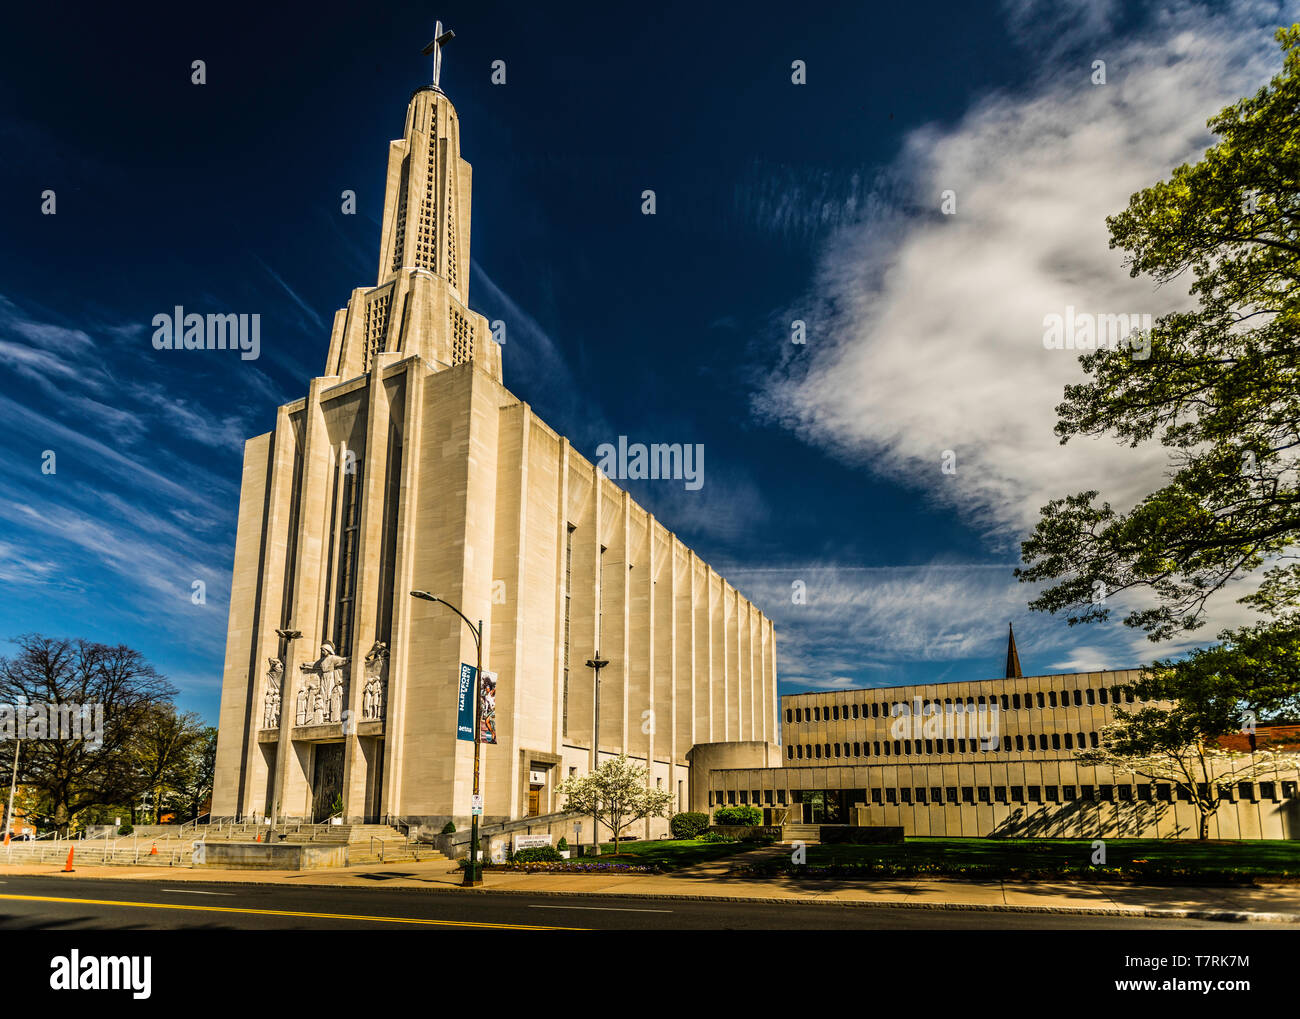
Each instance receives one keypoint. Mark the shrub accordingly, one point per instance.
(449, 828)
(746, 816)
(688, 825)
(562, 846)
(126, 829)
(537, 854)
(713, 836)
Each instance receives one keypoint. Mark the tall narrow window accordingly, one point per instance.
(347, 566)
(291, 551)
(600, 597)
(392, 500)
(600, 629)
(568, 597)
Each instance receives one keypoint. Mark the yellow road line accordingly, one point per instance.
(285, 912)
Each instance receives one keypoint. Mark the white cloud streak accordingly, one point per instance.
(926, 330)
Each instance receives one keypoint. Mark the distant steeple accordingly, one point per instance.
(1013, 657)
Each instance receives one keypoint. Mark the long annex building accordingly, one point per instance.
(409, 465)
(988, 758)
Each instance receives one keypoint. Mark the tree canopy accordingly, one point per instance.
(143, 744)
(1220, 387)
(617, 793)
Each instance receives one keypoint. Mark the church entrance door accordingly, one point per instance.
(327, 780)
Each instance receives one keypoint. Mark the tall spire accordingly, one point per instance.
(419, 303)
(1013, 657)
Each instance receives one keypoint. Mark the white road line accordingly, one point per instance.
(193, 891)
(605, 909)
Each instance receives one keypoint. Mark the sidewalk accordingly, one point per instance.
(1272, 904)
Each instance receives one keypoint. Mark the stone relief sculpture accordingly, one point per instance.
(321, 699)
(271, 704)
(375, 694)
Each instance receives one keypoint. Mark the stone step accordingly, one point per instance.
(398, 856)
(366, 843)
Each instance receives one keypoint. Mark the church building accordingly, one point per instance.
(408, 466)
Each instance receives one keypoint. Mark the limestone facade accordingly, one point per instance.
(409, 465)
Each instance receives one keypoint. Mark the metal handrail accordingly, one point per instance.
(194, 822)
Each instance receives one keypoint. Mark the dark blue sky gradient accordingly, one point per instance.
(226, 197)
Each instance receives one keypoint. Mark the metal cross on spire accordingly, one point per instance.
(440, 39)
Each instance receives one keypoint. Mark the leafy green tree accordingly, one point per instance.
(1177, 744)
(165, 750)
(65, 777)
(1220, 387)
(192, 781)
(617, 793)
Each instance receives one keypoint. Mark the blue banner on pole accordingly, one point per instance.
(465, 706)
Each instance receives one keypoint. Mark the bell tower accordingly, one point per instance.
(426, 201)
(419, 304)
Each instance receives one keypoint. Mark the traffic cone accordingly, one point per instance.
(67, 867)
(153, 850)
(259, 837)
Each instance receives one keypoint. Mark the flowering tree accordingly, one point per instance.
(617, 793)
(1167, 744)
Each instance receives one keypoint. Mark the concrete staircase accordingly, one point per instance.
(172, 845)
(808, 834)
(120, 851)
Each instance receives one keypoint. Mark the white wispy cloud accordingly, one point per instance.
(312, 317)
(834, 621)
(926, 330)
(130, 518)
(1085, 659)
(530, 353)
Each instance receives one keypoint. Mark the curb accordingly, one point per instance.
(1135, 912)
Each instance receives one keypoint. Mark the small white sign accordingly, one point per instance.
(476, 802)
(531, 841)
(536, 777)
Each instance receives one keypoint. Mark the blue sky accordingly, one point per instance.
(775, 202)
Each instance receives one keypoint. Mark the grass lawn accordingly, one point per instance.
(669, 853)
(1257, 857)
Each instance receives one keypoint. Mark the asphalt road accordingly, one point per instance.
(54, 904)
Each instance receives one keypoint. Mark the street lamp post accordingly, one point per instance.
(13, 784)
(596, 663)
(473, 876)
(287, 637)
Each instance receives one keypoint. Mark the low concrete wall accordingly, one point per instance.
(274, 856)
(455, 846)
